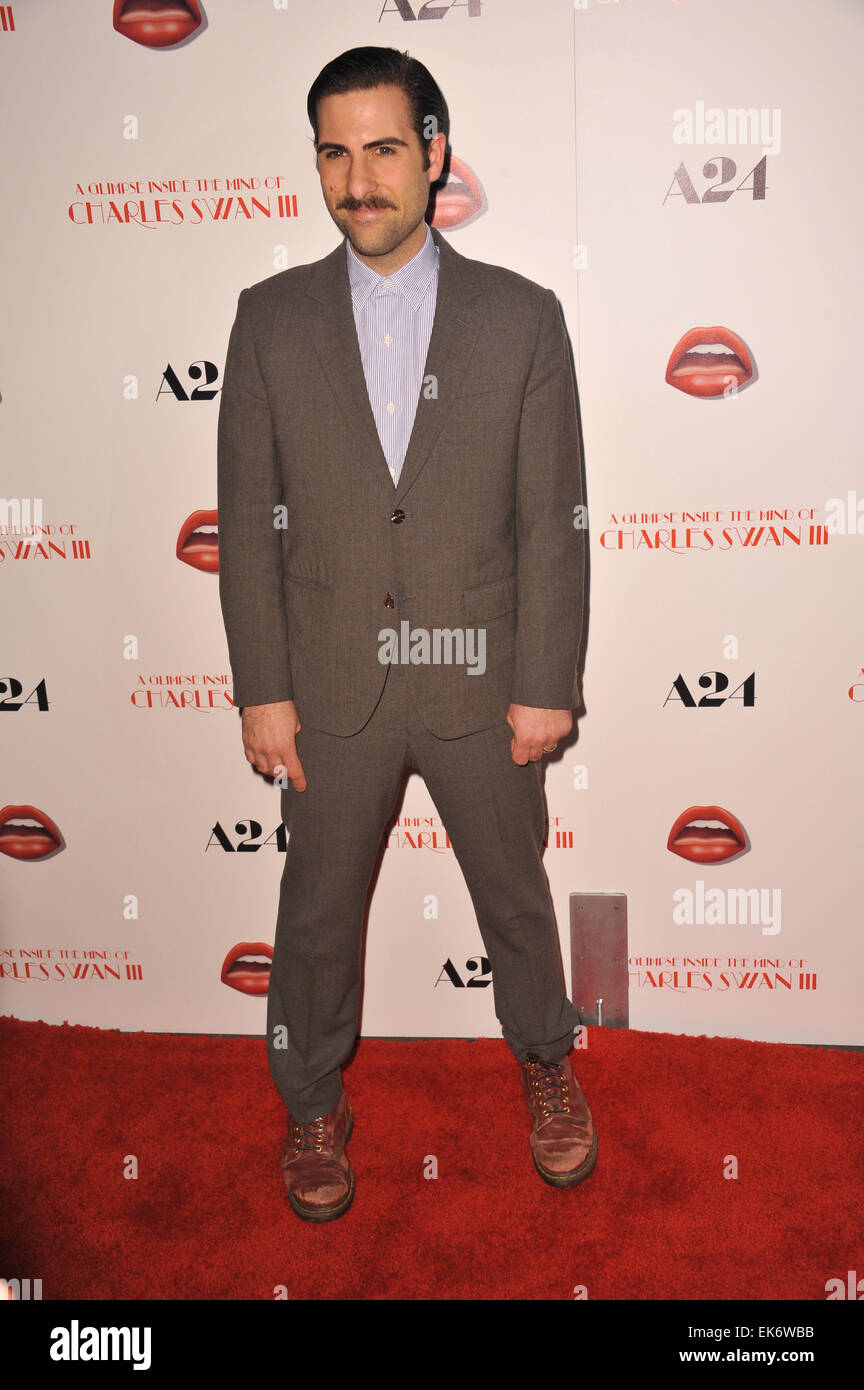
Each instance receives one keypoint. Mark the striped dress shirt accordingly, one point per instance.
(393, 315)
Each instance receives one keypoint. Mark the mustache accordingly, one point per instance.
(355, 204)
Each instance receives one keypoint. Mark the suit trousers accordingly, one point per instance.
(494, 813)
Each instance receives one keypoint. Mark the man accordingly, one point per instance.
(399, 454)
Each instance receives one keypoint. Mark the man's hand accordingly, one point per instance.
(269, 732)
(536, 731)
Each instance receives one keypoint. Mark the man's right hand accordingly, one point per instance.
(269, 733)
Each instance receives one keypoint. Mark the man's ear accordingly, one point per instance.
(436, 150)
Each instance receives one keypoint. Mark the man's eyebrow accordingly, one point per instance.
(370, 144)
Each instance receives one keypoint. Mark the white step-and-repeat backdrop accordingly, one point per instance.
(685, 176)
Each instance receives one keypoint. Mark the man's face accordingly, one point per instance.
(370, 161)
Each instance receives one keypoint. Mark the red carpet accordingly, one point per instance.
(208, 1218)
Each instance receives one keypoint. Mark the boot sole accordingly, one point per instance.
(332, 1213)
(569, 1179)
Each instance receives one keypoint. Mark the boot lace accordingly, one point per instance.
(549, 1084)
(308, 1135)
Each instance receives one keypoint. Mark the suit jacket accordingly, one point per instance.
(320, 554)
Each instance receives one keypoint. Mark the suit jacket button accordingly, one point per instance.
(388, 601)
(397, 516)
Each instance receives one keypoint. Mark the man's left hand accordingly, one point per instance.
(536, 731)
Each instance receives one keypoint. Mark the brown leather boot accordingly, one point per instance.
(563, 1141)
(315, 1165)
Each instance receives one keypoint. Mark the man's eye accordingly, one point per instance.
(385, 149)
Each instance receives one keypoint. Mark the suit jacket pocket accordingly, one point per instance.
(487, 601)
(486, 385)
(307, 581)
(309, 615)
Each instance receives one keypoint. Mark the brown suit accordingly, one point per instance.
(488, 490)
(478, 533)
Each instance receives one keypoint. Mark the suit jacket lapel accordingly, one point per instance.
(333, 334)
(454, 333)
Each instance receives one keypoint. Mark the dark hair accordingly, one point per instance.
(361, 68)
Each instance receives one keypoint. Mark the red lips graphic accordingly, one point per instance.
(704, 844)
(26, 841)
(156, 23)
(460, 199)
(242, 970)
(709, 362)
(197, 545)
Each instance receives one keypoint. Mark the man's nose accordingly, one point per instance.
(361, 180)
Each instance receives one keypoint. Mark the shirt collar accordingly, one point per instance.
(412, 279)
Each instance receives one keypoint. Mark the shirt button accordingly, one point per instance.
(390, 407)
(386, 282)
(387, 339)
